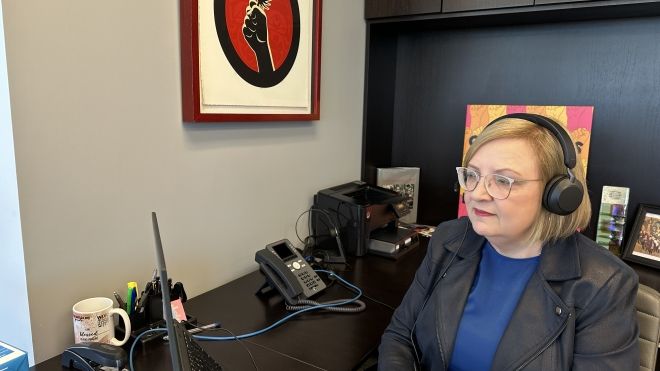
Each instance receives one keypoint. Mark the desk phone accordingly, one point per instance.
(288, 272)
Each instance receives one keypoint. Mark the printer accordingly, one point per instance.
(358, 212)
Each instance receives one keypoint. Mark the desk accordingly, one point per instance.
(312, 341)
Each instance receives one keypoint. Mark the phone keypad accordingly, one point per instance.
(310, 281)
(300, 268)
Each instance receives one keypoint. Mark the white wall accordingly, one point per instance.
(14, 310)
(96, 107)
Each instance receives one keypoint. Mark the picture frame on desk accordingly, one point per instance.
(250, 60)
(643, 247)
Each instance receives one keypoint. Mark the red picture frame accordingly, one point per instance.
(193, 108)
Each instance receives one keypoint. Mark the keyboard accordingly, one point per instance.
(193, 356)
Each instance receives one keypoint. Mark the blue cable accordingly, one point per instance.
(130, 354)
(288, 317)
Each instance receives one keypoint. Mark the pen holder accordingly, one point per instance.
(138, 320)
(120, 331)
(149, 313)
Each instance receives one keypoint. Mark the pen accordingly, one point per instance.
(144, 296)
(153, 280)
(195, 330)
(119, 301)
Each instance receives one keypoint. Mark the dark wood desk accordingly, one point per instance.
(311, 341)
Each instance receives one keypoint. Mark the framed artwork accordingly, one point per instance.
(575, 119)
(644, 244)
(250, 60)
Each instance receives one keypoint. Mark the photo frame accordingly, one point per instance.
(250, 60)
(643, 246)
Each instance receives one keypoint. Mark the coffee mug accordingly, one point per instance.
(93, 321)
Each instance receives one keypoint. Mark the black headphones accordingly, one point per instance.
(333, 231)
(563, 193)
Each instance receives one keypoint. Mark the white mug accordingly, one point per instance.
(93, 321)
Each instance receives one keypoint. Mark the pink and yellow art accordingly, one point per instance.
(576, 119)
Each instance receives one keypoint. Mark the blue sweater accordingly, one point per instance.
(494, 296)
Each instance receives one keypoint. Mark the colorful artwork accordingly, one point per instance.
(576, 119)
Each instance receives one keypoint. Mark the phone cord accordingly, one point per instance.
(303, 304)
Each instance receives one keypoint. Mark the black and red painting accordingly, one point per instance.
(250, 60)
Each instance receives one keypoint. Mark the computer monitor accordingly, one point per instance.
(167, 307)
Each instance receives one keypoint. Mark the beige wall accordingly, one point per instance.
(14, 306)
(99, 141)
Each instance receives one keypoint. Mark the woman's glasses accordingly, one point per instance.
(498, 186)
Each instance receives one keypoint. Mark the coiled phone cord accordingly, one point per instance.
(304, 304)
(358, 305)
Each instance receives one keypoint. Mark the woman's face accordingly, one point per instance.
(506, 223)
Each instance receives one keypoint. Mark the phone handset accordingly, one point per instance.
(288, 272)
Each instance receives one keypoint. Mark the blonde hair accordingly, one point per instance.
(549, 226)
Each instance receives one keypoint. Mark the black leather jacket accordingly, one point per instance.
(576, 313)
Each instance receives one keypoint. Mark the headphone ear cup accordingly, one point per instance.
(335, 233)
(339, 244)
(562, 196)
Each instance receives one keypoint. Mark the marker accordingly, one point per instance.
(131, 297)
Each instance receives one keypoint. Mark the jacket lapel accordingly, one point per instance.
(540, 315)
(454, 288)
(537, 320)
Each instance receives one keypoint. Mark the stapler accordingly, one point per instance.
(88, 356)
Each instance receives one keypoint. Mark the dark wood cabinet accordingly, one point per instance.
(423, 70)
(543, 2)
(467, 5)
(503, 11)
(390, 8)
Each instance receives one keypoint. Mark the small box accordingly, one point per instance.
(612, 218)
(393, 243)
(12, 358)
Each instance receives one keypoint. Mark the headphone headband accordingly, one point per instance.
(562, 194)
(570, 157)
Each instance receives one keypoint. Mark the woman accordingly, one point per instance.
(514, 286)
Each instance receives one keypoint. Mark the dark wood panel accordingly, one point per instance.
(610, 64)
(379, 101)
(558, 12)
(542, 2)
(467, 5)
(389, 8)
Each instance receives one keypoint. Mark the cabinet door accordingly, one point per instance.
(467, 5)
(541, 2)
(392, 8)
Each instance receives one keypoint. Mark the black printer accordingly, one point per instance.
(356, 210)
